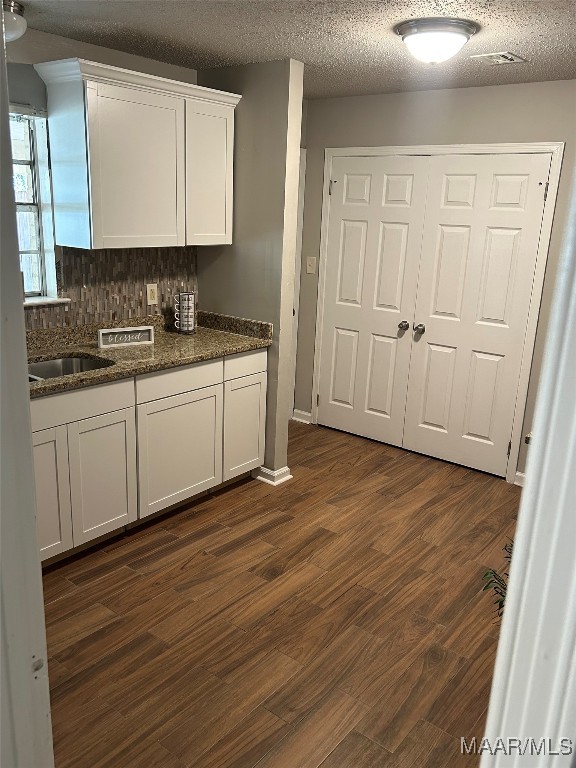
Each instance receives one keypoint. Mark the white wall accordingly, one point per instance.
(35, 47)
(509, 113)
(254, 277)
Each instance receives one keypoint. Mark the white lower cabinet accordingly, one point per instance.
(179, 447)
(53, 512)
(102, 458)
(84, 464)
(109, 454)
(244, 423)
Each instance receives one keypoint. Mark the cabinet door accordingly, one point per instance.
(179, 447)
(53, 515)
(137, 167)
(102, 453)
(244, 422)
(209, 159)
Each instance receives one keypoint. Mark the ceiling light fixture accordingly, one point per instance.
(435, 40)
(14, 22)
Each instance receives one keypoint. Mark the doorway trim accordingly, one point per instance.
(297, 275)
(556, 151)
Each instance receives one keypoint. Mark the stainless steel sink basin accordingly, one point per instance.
(64, 366)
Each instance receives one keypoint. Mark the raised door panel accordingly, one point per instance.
(244, 424)
(179, 448)
(343, 373)
(392, 245)
(374, 236)
(438, 385)
(53, 512)
(137, 167)
(481, 237)
(102, 454)
(351, 261)
(209, 161)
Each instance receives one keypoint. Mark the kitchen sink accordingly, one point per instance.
(64, 366)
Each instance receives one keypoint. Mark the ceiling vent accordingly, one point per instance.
(504, 57)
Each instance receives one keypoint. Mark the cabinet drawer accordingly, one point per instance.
(245, 363)
(65, 407)
(153, 386)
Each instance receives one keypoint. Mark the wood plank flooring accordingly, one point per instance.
(336, 621)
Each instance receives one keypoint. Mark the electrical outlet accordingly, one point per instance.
(311, 265)
(152, 293)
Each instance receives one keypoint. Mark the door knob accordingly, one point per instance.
(420, 328)
(404, 325)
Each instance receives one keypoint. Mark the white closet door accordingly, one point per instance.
(483, 220)
(374, 239)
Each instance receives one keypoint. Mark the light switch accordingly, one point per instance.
(152, 293)
(311, 265)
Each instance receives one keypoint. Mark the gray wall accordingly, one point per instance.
(254, 277)
(509, 113)
(35, 47)
(26, 87)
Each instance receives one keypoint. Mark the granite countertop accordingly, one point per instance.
(217, 336)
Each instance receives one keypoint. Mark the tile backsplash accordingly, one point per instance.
(110, 284)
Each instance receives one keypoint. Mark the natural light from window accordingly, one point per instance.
(32, 193)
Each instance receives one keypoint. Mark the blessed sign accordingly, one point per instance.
(125, 337)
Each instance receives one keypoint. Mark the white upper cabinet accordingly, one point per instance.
(136, 151)
(209, 158)
(137, 160)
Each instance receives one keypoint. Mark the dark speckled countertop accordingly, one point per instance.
(217, 336)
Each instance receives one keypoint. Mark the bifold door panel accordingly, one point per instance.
(429, 272)
(375, 236)
(483, 219)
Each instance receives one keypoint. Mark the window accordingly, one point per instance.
(33, 204)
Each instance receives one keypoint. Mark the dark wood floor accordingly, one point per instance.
(334, 621)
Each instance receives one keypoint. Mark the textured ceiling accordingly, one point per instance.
(348, 46)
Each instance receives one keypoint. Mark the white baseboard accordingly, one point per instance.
(519, 479)
(303, 416)
(272, 476)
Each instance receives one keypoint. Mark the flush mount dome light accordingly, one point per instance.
(435, 40)
(14, 22)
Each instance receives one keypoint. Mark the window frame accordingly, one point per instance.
(42, 204)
